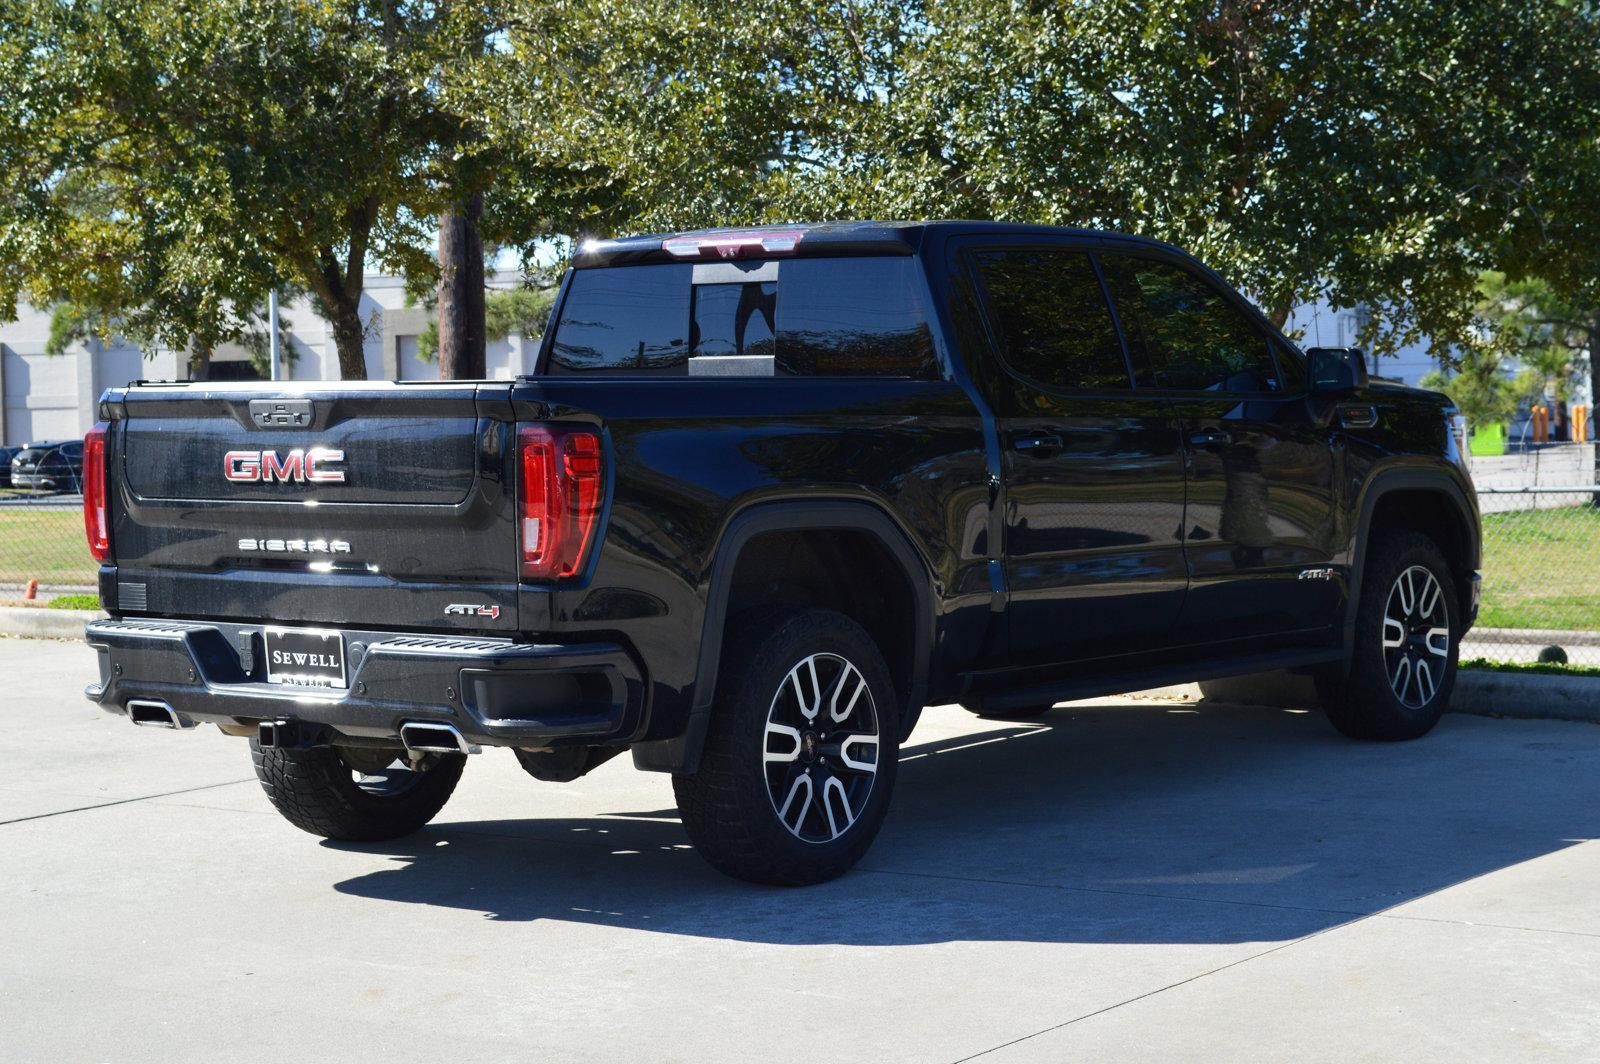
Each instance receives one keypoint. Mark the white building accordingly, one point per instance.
(53, 398)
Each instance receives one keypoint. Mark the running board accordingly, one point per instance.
(1071, 689)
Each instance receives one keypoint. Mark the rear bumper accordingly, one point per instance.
(495, 692)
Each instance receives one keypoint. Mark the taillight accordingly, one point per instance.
(95, 525)
(563, 485)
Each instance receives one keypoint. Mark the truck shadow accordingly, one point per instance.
(1133, 823)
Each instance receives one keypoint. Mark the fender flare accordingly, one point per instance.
(1387, 482)
(682, 754)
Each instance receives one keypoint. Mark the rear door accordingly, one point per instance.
(382, 505)
(1093, 470)
(1258, 523)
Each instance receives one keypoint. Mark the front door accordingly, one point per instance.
(1094, 480)
(1259, 520)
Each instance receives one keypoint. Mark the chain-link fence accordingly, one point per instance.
(1541, 577)
(41, 539)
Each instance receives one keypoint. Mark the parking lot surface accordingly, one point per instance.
(1123, 881)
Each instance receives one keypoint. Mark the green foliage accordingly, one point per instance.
(505, 310)
(1537, 668)
(75, 602)
(1525, 341)
(1366, 154)
(167, 162)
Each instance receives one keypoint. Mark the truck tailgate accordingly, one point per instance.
(379, 504)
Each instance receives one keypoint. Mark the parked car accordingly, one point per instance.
(54, 466)
(6, 455)
(768, 494)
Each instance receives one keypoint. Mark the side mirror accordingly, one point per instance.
(1337, 369)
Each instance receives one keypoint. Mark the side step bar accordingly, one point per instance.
(148, 713)
(434, 737)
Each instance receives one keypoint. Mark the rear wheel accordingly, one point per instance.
(800, 758)
(1403, 665)
(355, 794)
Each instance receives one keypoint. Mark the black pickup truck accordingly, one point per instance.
(769, 493)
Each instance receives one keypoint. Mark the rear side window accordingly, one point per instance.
(1054, 326)
(853, 318)
(631, 319)
(785, 317)
(1183, 333)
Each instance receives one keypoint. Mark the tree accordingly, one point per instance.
(173, 159)
(1365, 153)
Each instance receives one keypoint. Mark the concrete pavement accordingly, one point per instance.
(1122, 881)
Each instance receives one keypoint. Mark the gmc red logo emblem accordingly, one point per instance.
(299, 466)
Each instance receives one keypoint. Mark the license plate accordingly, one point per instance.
(305, 657)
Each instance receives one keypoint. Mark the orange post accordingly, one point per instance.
(33, 590)
(1580, 424)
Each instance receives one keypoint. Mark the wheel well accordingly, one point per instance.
(1433, 514)
(847, 570)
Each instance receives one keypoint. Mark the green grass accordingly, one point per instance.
(1543, 668)
(44, 545)
(74, 602)
(1541, 569)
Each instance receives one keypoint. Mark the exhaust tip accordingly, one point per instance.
(148, 713)
(433, 737)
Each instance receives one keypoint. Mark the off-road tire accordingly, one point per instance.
(1362, 703)
(314, 790)
(727, 806)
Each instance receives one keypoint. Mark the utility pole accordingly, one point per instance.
(272, 326)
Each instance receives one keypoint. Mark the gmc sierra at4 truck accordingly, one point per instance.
(768, 494)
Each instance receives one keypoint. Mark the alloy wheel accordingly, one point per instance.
(820, 751)
(1416, 637)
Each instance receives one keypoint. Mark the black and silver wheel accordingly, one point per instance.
(1416, 636)
(800, 757)
(356, 794)
(1403, 665)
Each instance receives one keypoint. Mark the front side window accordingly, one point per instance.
(1054, 326)
(1183, 333)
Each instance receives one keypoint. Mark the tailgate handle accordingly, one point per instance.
(281, 413)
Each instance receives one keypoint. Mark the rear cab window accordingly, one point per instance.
(812, 317)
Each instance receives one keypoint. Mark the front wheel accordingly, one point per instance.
(1403, 666)
(355, 794)
(799, 760)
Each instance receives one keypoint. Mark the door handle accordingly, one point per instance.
(1044, 443)
(1210, 438)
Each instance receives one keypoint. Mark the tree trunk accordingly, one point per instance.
(349, 337)
(199, 364)
(461, 326)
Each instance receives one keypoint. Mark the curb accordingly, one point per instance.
(44, 623)
(1478, 692)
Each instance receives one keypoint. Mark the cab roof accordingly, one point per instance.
(812, 238)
